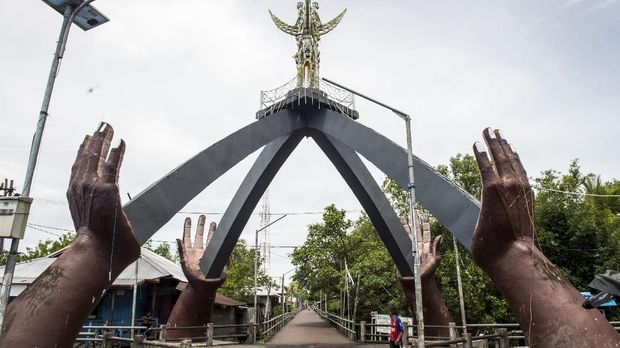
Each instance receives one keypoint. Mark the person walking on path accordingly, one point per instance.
(396, 329)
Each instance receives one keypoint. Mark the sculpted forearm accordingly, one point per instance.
(195, 304)
(51, 311)
(436, 314)
(194, 307)
(548, 307)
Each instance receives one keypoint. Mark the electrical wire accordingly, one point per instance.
(575, 193)
(42, 230)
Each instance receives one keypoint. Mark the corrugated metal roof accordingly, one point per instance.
(150, 266)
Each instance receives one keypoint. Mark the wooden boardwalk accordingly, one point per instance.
(307, 329)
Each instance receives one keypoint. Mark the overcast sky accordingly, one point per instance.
(174, 77)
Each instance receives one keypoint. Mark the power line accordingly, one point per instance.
(42, 230)
(56, 202)
(52, 228)
(575, 193)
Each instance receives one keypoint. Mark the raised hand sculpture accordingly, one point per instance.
(51, 311)
(547, 305)
(195, 305)
(436, 314)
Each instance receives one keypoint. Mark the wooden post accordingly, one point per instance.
(138, 341)
(162, 332)
(453, 333)
(209, 334)
(363, 331)
(504, 342)
(405, 336)
(251, 333)
(105, 343)
(468, 342)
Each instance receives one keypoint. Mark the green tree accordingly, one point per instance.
(43, 248)
(483, 303)
(320, 260)
(239, 282)
(164, 250)
(580, 234)
(379, 288)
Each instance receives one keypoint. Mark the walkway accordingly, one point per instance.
(307, 329)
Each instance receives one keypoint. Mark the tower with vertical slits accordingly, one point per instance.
(265, 244)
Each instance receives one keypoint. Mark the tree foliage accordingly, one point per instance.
(320, 260)
(239, 282)
(43, 248)
(164, 250)
(580, 234)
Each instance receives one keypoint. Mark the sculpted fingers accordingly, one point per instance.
(79, 164)
(502, 165)
(200, 230)
(212, 227)
(187, 233)
(437, 247)
(511, 156)
(113, 164)
(484, 164)
(426, 230)
(101, 140)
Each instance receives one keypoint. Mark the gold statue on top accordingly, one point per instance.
(307, 31)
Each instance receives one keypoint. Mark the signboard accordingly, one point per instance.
(384, 320)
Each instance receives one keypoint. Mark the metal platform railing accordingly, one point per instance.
(339, 98)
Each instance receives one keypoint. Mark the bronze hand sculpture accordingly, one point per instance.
(51, 311)
(195, 305)
(436, 313)
(547, 305)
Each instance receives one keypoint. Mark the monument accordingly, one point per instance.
(307, 30)
(303, 107)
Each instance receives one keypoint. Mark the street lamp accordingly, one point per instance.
(256, 267)
(411, 190)
(285, 273)
(86, 17)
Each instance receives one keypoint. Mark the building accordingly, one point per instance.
(160, 282)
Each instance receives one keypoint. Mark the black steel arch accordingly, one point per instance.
(341, 138)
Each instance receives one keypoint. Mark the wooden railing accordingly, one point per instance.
(494, 335)
(270, 327)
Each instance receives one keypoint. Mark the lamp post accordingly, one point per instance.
(411, 191)
(285, 273)
(86, 17)
(256, 267)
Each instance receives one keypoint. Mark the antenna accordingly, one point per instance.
(265, 220)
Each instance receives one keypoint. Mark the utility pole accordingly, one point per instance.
(412, 200)
(460, 284)
(256, 267)
(70, 12)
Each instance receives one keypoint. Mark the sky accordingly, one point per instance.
(174, 77)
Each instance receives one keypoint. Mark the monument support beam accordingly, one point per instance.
(453, 207)
(157, 204)
(243, 203)
(372, 198)
(456, 209)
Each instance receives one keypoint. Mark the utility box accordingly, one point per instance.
(13, 216)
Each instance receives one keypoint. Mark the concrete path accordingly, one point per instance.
(307, 328)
